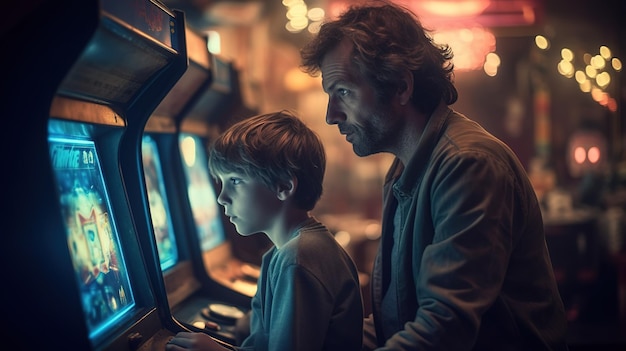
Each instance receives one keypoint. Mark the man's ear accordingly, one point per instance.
(287, 189)
(405, 90)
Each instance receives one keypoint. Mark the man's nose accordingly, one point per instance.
(334, 115)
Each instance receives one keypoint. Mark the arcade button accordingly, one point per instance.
(209, 325)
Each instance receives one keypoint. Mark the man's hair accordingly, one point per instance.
(388, 40)
(273, 148)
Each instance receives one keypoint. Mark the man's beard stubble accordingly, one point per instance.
(376, 134)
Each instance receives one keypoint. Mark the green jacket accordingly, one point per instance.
(469, 269)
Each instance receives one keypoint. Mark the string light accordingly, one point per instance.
(299, 16)
(594, 77)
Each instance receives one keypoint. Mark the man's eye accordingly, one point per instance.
(235, 181)
(343, 92)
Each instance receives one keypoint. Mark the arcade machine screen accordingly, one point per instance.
(159, 207)
(92, 236)
(206, 211)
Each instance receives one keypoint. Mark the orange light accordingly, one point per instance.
(586, 152)
(470, 45)
(580, 155)
(458, 8)
(593, 154)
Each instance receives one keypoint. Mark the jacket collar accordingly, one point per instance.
(408, 178)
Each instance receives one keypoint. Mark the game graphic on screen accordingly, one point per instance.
(201, 194)
(159, 208)
(92, 236)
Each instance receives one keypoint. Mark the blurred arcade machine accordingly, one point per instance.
(232, 260)
(96, 120)
(207, 286)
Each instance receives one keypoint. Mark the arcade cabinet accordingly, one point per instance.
(184, 213)
(96, 120)
(223, 258)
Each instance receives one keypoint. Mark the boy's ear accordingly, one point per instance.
(287, 189)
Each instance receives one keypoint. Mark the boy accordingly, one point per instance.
(271, 168)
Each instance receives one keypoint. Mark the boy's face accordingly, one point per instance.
(251, 206)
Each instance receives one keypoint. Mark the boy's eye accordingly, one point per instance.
(235, 181)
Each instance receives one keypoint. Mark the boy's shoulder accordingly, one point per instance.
(307, 245)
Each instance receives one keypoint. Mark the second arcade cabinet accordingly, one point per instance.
(207, 286)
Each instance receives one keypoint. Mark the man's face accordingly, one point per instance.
(368, 125)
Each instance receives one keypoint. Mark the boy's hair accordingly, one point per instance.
(388, 40)
(273, 148)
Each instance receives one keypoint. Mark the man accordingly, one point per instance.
(462, 263)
